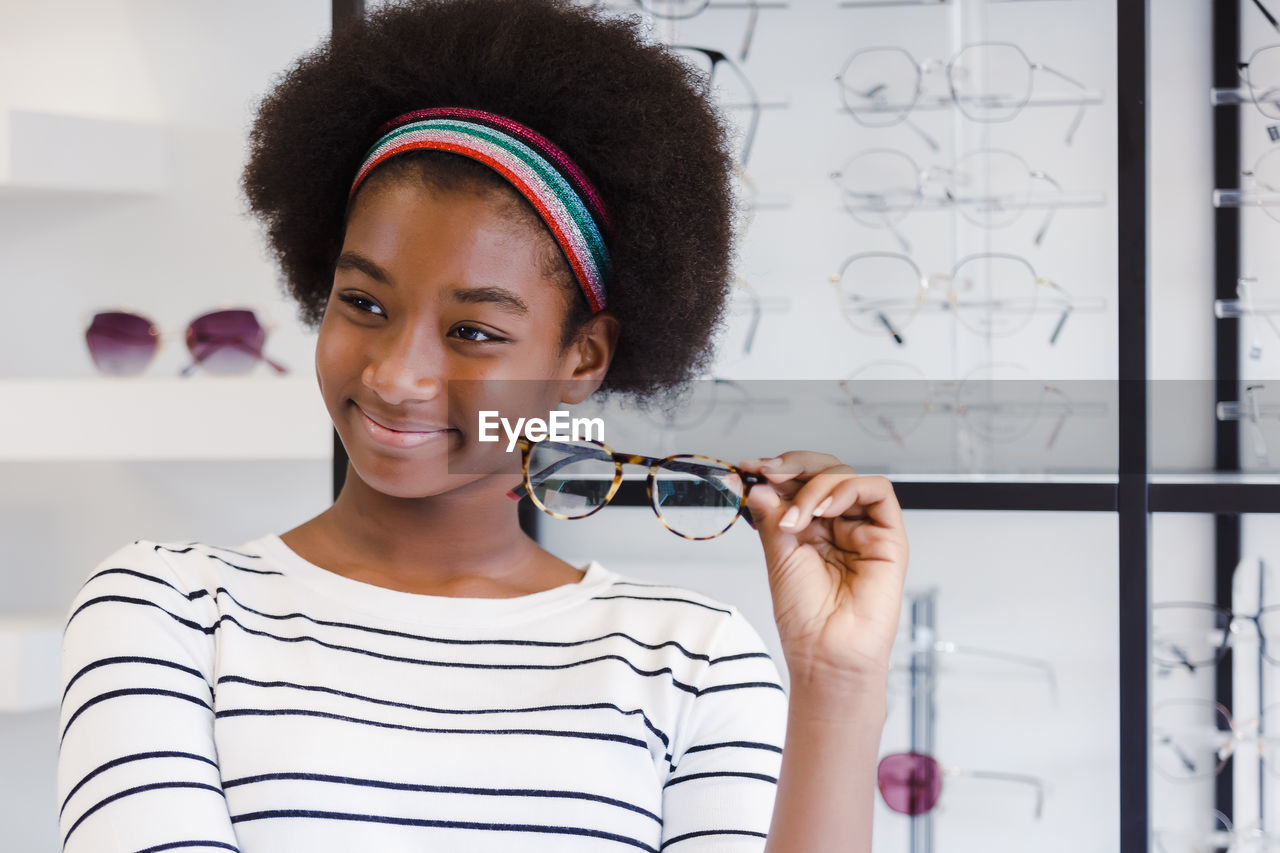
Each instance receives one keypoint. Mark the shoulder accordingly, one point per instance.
(172, 572)
(715, 626)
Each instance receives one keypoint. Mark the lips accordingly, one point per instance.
(400, 425)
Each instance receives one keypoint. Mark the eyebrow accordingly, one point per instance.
(500, 297)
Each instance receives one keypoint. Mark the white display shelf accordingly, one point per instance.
(43, 154)
(200, 418)
(30, 647)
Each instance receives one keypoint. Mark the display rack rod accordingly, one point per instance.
(1226, 356)
(1132, 495)
(924, 678)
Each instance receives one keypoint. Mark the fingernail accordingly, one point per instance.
(771, 463)
(790, 518)
(822, 507)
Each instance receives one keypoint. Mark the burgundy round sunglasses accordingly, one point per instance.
(911, 782)
(226, 342)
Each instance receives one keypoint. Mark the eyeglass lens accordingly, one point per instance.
(695, 499)
(990, 82)
(994, 294)
(1263, 76)
(879, 85)
(1190, 739)
(909, 782)
(1187, 636)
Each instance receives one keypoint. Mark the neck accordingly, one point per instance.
(468, 539)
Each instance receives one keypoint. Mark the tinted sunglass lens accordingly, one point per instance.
(121, 344)
(909, 782)
(696, 499)
(570, 479)
(226, 343)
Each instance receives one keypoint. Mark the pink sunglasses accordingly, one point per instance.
(226, 342)
(911, 782)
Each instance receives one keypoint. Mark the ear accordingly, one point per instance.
(589, 356)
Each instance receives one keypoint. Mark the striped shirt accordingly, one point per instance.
(246, 699)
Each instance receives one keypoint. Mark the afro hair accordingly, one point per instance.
(637, 120)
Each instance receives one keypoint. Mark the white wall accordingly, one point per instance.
(195, 70)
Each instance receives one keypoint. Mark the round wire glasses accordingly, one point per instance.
(987, 81)
(1261, 73)
(989, 293)
(1189, 635)
(990, 187)
(695, 497)
(1195, 738)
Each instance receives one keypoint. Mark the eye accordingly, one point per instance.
(476, 334)
(356, 301)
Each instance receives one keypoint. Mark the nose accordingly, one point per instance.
(406, 366)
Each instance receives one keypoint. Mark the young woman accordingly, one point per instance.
(485, 205)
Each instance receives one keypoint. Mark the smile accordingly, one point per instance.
(396, 438)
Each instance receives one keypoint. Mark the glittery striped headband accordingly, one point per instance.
(544, 174)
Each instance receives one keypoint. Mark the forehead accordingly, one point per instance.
(465, 236)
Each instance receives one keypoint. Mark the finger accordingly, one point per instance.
(767, 508)
(869, 497)
(818, 495)
(790, 470)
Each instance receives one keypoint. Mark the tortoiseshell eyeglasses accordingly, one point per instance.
(696, 497)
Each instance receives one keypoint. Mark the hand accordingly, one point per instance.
(836, 568)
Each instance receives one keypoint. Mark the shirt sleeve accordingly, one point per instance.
(719, 795)
(137, 766)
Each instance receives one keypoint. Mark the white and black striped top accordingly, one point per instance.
(246, 699)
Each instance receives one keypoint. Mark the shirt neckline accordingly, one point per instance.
(437, 609)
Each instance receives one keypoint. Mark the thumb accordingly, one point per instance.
(767, 509)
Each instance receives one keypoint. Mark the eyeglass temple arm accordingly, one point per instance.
(1066, 311)
(238, 344)
(1038, 663)
(1048, 217)
(751, 29)
(1008, 777)
(1075, 123)
(1267, 14)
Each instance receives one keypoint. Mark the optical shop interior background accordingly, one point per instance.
(864, 127)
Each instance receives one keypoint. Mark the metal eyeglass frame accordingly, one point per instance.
(1225, 742)
(716, 57)
(164, 334)
(951, 399)
(1269, 96)
(925, 282)
(882, 203)
(679, 462)
(1230, 631)
(929, 66)
(1225, 837)
(652, 6)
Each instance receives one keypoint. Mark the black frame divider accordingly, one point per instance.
(1226, 355)
(1132, 498)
